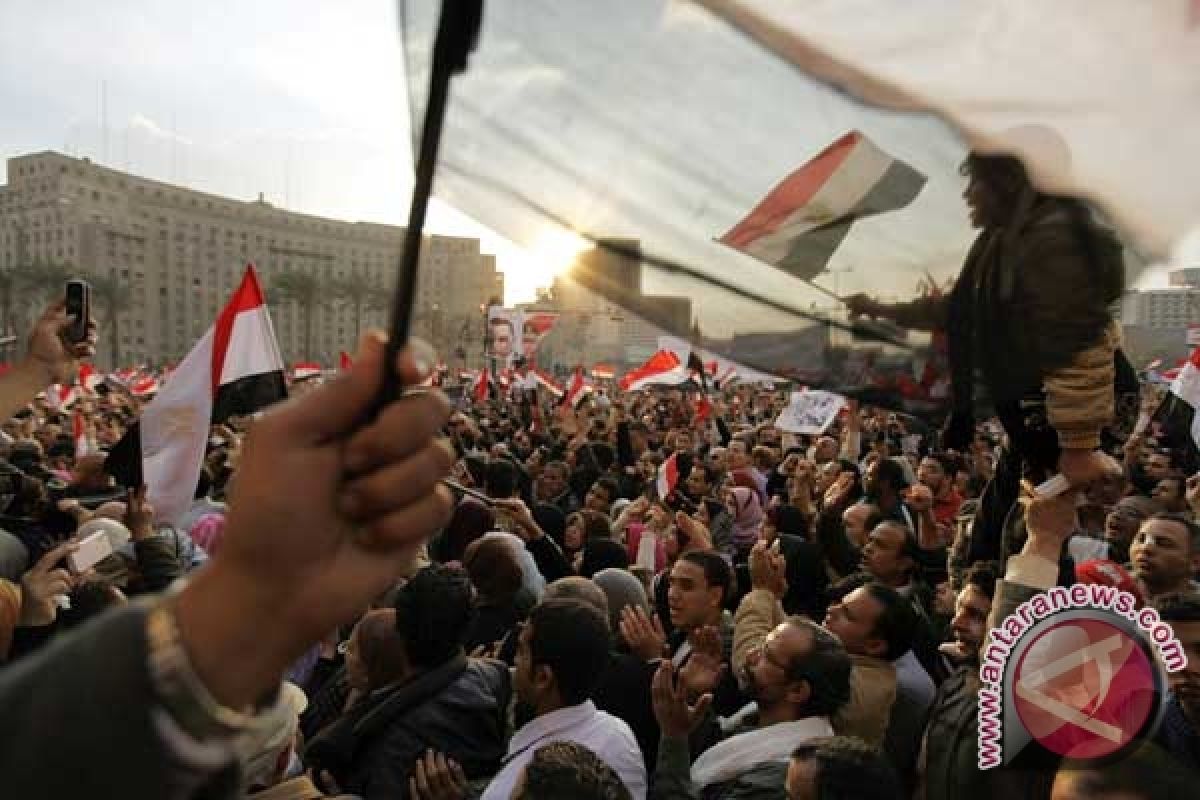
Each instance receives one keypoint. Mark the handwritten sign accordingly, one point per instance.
(810, 412)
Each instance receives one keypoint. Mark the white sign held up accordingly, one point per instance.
(810, 412)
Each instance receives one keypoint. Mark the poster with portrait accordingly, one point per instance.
(504, 326)
(513, 332)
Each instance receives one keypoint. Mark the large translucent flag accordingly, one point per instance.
(657, 128)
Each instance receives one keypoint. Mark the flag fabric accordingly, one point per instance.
(548, 383)
(662, 369)
(79, 433)
(578, 390)
(89, 379)
(61, 396)
(483, 386)
(724, 371)
(668, 477)
(344, 361)
(802, 221)
(603, 372)
(305, 369)
(144, 386)
(1066, 130)
(698, 372)
(234, 369)
(1178, 415)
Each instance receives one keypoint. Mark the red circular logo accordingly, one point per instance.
(1084, 688)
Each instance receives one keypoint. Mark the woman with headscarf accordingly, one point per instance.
(747, 512)
(496, 575)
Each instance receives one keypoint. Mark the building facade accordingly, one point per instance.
(176, 255)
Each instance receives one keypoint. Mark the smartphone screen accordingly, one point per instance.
(78, 309)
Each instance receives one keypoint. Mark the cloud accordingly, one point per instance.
(140, 122)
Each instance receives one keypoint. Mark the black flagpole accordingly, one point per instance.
(457, 33)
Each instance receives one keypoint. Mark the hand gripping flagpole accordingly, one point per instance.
(457, 34)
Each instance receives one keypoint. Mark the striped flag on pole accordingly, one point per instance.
(800, 223)
(234, 369)
(1178, 414)
(668, 476)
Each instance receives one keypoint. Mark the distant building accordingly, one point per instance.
(605, 316)
(1161, 308)
(181, 252)
(1188, 277)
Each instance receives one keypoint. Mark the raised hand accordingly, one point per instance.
(42, 585)
(139, 514)
(702, 671)
(676, 717)
(50, 352)
(768, 568)
(327, 511)
(436, 777)
(643, 633)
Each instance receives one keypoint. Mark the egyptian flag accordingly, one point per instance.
(144, 386)
(802, 221)
(1177, 418)
(696, 368)
(61, 396)
(234, 369)
(603, 372)
(344, 361)
(79, 433)
(668, 477)
(483, 386)
(577, 390)
(305, 370)
(88, 377)
(703, 411)
(546, 382)
(661, 369)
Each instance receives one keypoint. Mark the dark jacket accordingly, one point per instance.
(1030, 310)
(81, 713)
(951, 766)
(458, 709)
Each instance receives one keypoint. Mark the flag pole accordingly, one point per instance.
(457, 34)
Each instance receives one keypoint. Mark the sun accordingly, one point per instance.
(553, 252)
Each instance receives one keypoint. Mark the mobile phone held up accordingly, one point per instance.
(79, 309)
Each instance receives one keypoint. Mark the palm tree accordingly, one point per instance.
(25, 288)
(360, 294)
(308, 292)
(111, 294)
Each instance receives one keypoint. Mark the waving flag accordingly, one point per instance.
(234, 369)
(79, 433)
(800, 224)
(482, 389)
(661, 369)
(305, 370)
(668, 477)
(578, 390)
(603, 372)
(546, 382)
(1179, 414)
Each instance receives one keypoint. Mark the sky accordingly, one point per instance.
(301, 100)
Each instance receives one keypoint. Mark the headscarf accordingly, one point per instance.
(623, 590)
(747, 516)
(531, 578)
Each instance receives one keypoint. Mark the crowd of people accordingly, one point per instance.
(513, 598)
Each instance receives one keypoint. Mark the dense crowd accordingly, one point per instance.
(649, 594)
